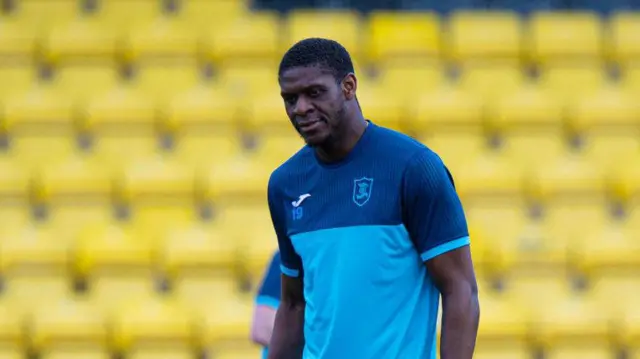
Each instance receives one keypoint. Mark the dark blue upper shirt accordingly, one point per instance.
(358, 232)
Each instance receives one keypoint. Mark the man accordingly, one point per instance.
(267, 303)
(370, 229)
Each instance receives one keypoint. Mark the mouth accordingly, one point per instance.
(310, 126)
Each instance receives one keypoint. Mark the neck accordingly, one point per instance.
(340, 147)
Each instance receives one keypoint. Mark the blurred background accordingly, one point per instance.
(137, 137)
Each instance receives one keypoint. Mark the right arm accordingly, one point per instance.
(287, 339)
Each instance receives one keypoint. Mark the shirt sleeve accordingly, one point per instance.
(291, 264)
(269, 292)
(432, 211)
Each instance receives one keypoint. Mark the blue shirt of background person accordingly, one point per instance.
(267, 301)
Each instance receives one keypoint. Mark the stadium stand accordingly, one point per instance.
(137, 137)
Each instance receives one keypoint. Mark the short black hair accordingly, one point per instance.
(328, 54)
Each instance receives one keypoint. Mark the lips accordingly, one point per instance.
(307, 126)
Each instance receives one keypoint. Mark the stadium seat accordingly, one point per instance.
(236, 179)
(342, 26)
(250, 80)
(403, 36)
(83, 82)
(568, 177)
(448, 109)
(572, 81)
(454, 147)
(408, 83)
(572, 222)
(17, 40)
(122, 16)
(42, 15)
(631, 79)
(154, 328)
(120, 149)
(161, 82)
(252, 38)
(15, 183)
(614, 282)
(32, 260)
(162, 38)
(267, 114)
(75, 180)
(244, 352)
(626, 180)
(122, 110)
(41, 111)
(204, 15)
(227, 322)
(116, 262)
(71, 329)
(11, 332)
(381, 108)
(529, 122)
(488, 175)
(484, 36)
(273, 150)
(560, 36)
(34, 151)
(624, 38)
(79, 40)
(202, 151)
(611, 247)
(491, 82)
(503, 322)
(69, 220)
(157, 180)
(18, 79)
(203, 108)
(537, 289)
(153, 219)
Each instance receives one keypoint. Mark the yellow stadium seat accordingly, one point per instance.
(11, 332)
(529, 107)
(558, 36)
(228, 321)
(454, 148)
(77, 179)
(448, 109)
(612, 246)
(122, 110)
(69, 220)
(572, 81)
(69, 329)
(153, 219)
(12, 216)
(42, 15)
(32, 260)
(611, 150)
(631, 79)
(159, 180)
(255, 245)
(33, 152)
(571, 324)
(601, 351)
(164, 37)
(246, 352)
(205, 15)
(117, 263)
(121, 149)
(572, 222)
(246, 81)
(253, 37)
(487, 175)
(201, 151)
(381, 108)
(615, 282)
(14, 181)
(568, 176)
(267, 113)
(400, 36)
(502, 322)
(236, 178)
(537, 289)
(39, 111)
(17, 79)
(484, 36)
(154, 328)
(491, 82)
(122, 16)
(163, 81)
(81, 39)
(408, 83)
(630, 322)
(626, 180)
(341, 26)
(201, 109)
(624, 41)
(274, 150)
(17, 39)
(82, 82)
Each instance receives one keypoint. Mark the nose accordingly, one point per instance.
(303, 106)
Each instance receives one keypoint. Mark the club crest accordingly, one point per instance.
(362, 190)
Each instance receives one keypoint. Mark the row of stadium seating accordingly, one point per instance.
(135, 30)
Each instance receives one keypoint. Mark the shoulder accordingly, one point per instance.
(287, 172)
(402, 148)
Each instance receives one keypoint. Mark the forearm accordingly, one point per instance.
(460, 318)
(262, 326)
(287, 340)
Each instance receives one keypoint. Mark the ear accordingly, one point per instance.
(349, 86)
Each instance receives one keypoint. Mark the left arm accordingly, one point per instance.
(435, 219)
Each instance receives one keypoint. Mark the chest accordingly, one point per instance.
(333, 199)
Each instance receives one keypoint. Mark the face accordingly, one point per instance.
(315, 102)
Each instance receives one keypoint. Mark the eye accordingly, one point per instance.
(290, 100)
(315, 92)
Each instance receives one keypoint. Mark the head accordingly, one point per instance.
(318, 86)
